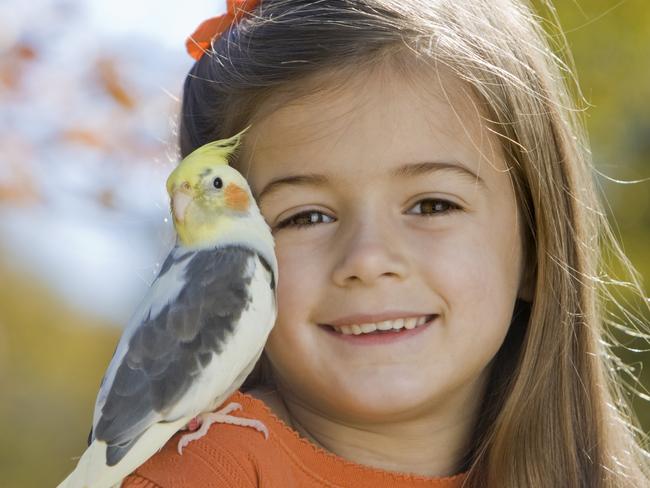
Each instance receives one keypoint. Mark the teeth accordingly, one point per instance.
(386, 325)
(366, 328)
(358, 329)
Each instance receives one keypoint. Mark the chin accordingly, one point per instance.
(383, 397)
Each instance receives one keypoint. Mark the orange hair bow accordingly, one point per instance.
(201, 40)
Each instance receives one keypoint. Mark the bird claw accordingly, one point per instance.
(221, 416)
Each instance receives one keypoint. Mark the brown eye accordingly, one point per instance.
(306, 219)
(432, 206)
(217, 183)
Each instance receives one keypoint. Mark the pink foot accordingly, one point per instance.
(193, 424)
(205, 420)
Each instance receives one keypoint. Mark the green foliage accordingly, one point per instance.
(51, 363)
(610, 44)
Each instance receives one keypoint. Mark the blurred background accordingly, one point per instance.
(89, 92)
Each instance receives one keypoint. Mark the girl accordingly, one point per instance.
(438, 236)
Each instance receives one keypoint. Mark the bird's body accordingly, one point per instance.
(199, 331)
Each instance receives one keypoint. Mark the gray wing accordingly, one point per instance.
(173, 343)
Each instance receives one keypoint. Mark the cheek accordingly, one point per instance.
(300, 281)
(476, 276)
(300, 278)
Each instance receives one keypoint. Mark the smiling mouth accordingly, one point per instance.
(385, 327)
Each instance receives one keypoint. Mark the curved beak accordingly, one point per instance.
(181, 198)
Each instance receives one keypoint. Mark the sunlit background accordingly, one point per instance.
(89, 92)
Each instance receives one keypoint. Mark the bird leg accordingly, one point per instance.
(193, 424)
(205, 420)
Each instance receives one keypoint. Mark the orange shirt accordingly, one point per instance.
(239, 457)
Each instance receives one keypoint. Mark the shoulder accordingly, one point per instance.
(227, 456)
(240, 457)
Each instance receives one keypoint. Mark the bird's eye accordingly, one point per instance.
(217, 183)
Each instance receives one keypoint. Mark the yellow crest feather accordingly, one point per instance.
(211, 154)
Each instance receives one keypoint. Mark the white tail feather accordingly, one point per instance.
(92, 471)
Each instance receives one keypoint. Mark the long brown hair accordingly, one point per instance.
(555, 412)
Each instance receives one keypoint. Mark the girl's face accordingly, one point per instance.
(387, 201)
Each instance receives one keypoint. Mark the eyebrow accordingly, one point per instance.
(410, 170)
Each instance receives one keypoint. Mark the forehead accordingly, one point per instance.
(372, 122)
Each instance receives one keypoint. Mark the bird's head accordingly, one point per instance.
(203, 190)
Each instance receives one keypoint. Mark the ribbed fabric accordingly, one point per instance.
(231, 456)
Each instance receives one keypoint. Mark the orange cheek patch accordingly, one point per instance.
(236, 197)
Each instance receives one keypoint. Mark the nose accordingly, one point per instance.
(369, 251)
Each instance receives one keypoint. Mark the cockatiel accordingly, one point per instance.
(200, 329)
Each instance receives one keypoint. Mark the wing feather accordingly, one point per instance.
(160, 359)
